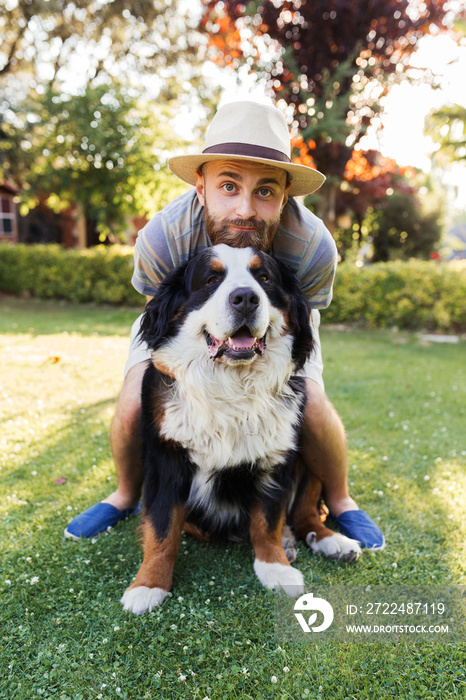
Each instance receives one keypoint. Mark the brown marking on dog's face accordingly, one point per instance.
(216, 265)
(267, 544)
(159, 555)
(287, 319)
(255, 263)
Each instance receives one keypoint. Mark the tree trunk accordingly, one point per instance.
(92, 235)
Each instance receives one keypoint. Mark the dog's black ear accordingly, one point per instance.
(164, 312)
(299, 317)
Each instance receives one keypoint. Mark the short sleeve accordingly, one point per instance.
(153, 259)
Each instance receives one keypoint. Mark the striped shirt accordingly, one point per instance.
(178, 232)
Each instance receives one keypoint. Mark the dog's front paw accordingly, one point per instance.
(142, 599)
(334, 546)
(276, 576)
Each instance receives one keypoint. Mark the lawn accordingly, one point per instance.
(64, 632)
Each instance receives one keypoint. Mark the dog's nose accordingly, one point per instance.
(244, 299)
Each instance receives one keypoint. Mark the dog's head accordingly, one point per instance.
(230, 303)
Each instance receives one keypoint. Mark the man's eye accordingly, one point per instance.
(229, 187)
(265, 192)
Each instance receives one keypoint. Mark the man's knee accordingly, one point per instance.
(319, 414)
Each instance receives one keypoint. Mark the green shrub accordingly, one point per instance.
(100, 275)
(413, 294)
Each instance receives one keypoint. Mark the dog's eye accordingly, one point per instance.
(212, 279)
(263, 277)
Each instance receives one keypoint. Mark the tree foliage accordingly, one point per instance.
(328, 62)
(46, 38)
(368, 180)
(87, 93)
(447, 127)
(401, 229)
(335, 58)
(101, 149)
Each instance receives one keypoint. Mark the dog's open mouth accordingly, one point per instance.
(242, 345)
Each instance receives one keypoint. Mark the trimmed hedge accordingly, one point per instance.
(415, 294)
(101, 275)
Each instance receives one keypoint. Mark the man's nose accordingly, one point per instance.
(245, 208)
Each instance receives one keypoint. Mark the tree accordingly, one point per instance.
(447, 128)
(368, 180)
(102, 150)
(88, 89)
(48, 39)
(400, 229)
(329, 61)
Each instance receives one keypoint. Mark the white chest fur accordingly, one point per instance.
(226, 418)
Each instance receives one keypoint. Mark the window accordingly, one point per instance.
(7, 215)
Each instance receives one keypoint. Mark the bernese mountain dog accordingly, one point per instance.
(222, 408)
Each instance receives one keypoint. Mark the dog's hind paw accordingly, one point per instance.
(142, 599)
(278, 576)
(334, 546)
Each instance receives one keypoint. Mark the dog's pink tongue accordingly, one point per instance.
(242, 339)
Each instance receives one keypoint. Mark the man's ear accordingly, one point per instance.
(285, 196)
(200, 187)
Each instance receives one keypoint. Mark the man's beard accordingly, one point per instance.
(259, 236)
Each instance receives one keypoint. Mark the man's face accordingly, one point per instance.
(243, 202)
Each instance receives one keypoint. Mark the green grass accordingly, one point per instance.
(64, 633)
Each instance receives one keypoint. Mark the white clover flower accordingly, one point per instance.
(274, 679)
(34, 580)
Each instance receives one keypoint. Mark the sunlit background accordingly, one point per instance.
(66, 76)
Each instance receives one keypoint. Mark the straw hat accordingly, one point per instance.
(254, 132)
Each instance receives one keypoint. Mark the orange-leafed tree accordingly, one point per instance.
(329, 60)
(369, 179)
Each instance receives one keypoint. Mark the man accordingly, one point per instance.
(243, 181)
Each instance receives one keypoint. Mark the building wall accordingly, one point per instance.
(8, 222)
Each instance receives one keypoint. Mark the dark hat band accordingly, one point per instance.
(247, 149)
